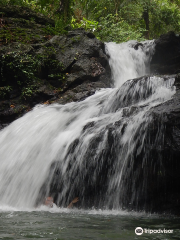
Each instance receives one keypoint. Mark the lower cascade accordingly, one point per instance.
(98, 149)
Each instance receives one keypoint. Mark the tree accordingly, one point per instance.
(156, 16)
(126, 18)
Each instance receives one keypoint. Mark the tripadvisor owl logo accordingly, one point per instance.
(138, 231)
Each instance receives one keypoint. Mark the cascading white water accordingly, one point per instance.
(128, 63)
(81, 136)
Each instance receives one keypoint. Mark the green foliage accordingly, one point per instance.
(59, 77)
(120, 20)
(50, 30)
(4, 91)
(126, 19)
(48, 59)
(60, 11)
(88, 25)
(23, 71)
(21, 64)
(20, 69)
(164, 17)
(17, 2)
(116, 29)
(28, 92)
(9, 35)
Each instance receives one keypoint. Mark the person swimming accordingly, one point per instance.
(49, 202)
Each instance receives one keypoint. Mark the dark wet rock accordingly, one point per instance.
(137, 45)
(82, 58)
(164, 144)
(166, 59)
(158, 181)
(80, 92)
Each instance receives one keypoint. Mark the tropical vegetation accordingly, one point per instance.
(110, 20)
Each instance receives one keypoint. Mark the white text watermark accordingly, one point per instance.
(140, 231)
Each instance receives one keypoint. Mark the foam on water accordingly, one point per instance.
(104, 212)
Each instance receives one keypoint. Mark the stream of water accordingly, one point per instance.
(86, 141)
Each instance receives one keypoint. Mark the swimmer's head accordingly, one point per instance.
(49, 201)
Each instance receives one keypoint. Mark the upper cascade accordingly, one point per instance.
(129, 60)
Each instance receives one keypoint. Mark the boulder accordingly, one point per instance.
(166, 58)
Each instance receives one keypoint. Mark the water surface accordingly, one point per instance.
(62, 224)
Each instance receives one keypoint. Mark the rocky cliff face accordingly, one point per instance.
(37, 67)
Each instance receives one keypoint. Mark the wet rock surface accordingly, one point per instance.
(166, 59)
(165, 152)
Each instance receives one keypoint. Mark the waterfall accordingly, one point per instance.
(87, 148)
(126, 62)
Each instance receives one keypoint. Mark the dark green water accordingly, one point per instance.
(78, 224)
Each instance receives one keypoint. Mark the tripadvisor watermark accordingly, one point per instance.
(140, 231)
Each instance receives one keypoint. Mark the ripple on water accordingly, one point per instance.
(62, 224)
